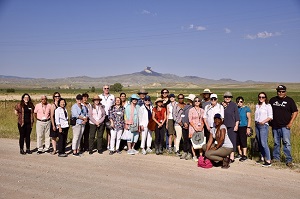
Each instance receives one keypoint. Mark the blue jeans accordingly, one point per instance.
(284, 134)
(262, 138)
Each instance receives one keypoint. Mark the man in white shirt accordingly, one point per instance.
(107, 100)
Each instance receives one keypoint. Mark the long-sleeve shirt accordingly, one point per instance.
(61, 117)
(231, 115)
(144, 116)
(77, 111)
(263, 112)
(96, 114)
(177, 114)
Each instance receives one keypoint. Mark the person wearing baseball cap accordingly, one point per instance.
(284, 114)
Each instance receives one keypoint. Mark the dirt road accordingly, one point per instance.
(138, 176)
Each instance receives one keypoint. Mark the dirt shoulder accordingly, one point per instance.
(138, 176)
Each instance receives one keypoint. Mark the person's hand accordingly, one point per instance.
(180, 123)
(54, 128)
(235, 128)
(60, 129)
(185, 125)
(142, 128)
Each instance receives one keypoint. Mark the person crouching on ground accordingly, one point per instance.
(221, 149)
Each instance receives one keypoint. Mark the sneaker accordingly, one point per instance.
(125, 148)
(90, 152)
(178, 154)
(111, 152)
(243, 158)
(183, 156)
(290, 164)
(76, 154)
(266, 164)
(130, 152)
(100, 151)
(62, 155)
(135, 151)
(149, 150)
(170, 151)
(144, 152)
(238, 156)
(22, 152)
(39, 152)
(195, 159)
(188, 157)
(118, 151)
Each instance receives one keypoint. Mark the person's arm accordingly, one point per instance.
(153, 117)
(52, 113)
(237, 117)
(294, 115)
(165, 117)
(210, 141)
(269, 115)
(248, 114)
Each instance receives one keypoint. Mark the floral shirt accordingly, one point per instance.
(117, 116)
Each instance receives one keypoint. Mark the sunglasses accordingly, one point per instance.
(56, 96)
(213, 99)
(227, 96)
(165, 92)
(261, 97)
(146, 100)
(281, 91)
(180, 98)
(240, 101)
(197, 101)
(106, 88)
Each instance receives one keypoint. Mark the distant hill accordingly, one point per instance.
(145, 78)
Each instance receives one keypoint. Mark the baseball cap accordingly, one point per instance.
(171, 95)
(147, 97)
(213, 95)
(280, 88)
(218, 115)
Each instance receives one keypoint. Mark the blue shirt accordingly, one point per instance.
(77, 111)
(243, 115)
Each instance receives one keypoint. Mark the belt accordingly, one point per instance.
(43, 120)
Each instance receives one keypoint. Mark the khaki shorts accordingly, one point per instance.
(171, 129)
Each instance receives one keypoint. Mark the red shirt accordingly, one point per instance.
(159, 115)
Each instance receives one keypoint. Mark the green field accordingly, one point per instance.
(8, 128)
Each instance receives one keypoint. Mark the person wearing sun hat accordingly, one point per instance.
(205, 98)
(159, 115)
(142, 93)
(132, 123)
(187, 145)
(96, 113)
(284, 114)
(231, 120)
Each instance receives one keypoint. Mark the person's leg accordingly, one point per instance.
(162, 134)
(264, 131)
(27, 137)
(243, 140)
(93, 129)
(47, 135)
(286, 140)
(178, 130)
(277, 134)
(149, 138)
(258, 137)
(76, 135)
(80, 136)
(219, 154)
(39, 136)
(238, 141)
(143, 140)
(206, 133)
(60, 142)
(113, 136)
(185, 135)
(156, 141)
(21, 139)
(167, 139)
(119, 134)
(100, 133)
(232, 136)
(64, 137)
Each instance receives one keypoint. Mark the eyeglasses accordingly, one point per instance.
(197, 101)
(56, 96)
(147, 100)
(180, 98)
(213, 99)
(281, 91)
(261, 97)
(227, 96)
(240, 101)
(165, 92)
(44, 99)
(106, 88)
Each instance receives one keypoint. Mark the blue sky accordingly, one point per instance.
(242, 40)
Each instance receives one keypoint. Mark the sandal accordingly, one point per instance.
(53, 152)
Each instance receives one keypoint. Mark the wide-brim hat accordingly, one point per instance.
(227, 93)
(96, 97)
(134, 96)
(198, 138)
(142, 91)
(191, 97)
(159, 100)
(206, 91)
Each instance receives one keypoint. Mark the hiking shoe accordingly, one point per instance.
(144, 152)
(76, 155)
(130, 152)
(290, 164)
(266, 164)
(39, 152)
(178, 154)
(188, 157)
(238, 156)
(111, 152)
(118, 151)
(149, 150)
(195, 159)
(62, 155)
(243, 158)
(183, 156)
(28, 151)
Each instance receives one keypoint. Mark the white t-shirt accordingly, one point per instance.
(170, 107)
(227, 143)
(210, 111)
(107, 101)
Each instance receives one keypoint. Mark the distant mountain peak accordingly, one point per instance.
(149, 72)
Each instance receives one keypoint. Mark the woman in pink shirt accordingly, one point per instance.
(196, 121)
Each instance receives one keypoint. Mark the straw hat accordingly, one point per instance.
(96, 97)
(159, 100)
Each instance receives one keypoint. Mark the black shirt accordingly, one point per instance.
(27, 114)
(283, 108)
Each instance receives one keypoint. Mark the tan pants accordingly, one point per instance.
(178, 130)
(217, 155)
(42, 129)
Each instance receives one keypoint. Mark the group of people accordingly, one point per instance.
(222, 126)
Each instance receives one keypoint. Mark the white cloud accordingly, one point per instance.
(262, 35)
(146, 12)
(199, 28)
(227, 30)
